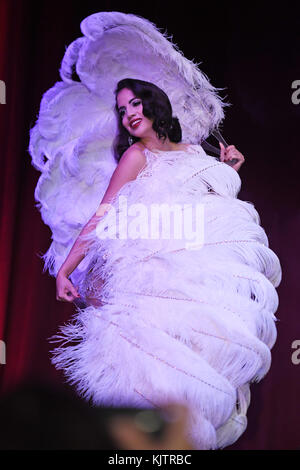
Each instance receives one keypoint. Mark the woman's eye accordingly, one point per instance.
(134, 103)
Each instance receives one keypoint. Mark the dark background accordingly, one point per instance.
(253, 50)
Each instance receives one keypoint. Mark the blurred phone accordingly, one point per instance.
(153, 422)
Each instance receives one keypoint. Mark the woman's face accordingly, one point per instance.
(130, 109)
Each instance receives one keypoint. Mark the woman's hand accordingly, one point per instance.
(65, 291)
(229, 153)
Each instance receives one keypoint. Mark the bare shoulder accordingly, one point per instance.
(128, 168)
(132, 160)
(131, 163)
(134, 151)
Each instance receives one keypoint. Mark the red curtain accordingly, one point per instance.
(27, 295)
(263, 123)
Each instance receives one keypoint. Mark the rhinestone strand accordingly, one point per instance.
(168, 364)
(173, 298)
(167, 298)
(197, 331)
(228, 339)
(118, 303)
(176, 298)
(145, 398)
(204, 244)
(244, 277)
(201, 171)
(236, 421)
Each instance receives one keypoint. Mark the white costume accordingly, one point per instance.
(175, 321)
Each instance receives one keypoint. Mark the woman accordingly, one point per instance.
(152, 132)
(185, 316)
(205, 355)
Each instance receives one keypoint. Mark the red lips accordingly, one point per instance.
(135, 123)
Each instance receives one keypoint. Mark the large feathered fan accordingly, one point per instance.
(71, 142)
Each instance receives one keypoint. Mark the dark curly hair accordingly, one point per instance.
(156, 106)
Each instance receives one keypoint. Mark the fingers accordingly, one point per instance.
(71, 296)
(232, 156)
(230, 147)
(222, 155)
(73, 292)
(232, 152)
(67, 298)
(66, 292)
(227, 153)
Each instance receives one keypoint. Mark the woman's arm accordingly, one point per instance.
(131, 163)
(77, 252)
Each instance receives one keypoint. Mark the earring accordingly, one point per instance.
(130, 140)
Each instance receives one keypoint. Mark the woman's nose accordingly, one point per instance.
(130, 115)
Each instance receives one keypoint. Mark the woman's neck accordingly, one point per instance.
(153, 143)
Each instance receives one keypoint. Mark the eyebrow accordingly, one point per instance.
(128, 102)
